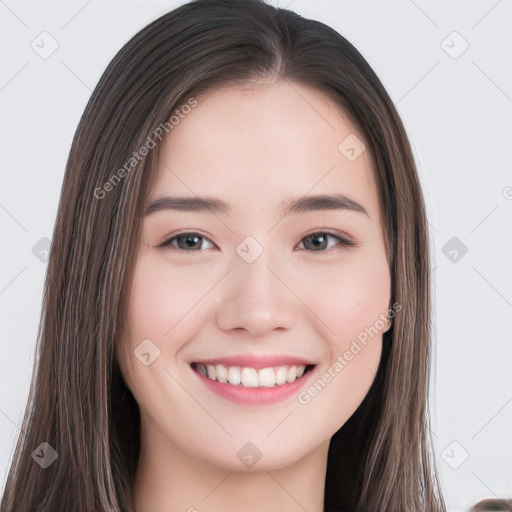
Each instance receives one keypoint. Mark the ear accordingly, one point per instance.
(388, 324)
(390, 314)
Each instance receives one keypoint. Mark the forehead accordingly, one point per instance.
(263, 144)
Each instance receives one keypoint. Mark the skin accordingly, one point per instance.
(253, 148)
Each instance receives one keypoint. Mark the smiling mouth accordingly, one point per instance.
(244, 376)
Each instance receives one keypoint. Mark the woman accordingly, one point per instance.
(249, 372)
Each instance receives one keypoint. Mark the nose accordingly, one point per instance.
(257, 299)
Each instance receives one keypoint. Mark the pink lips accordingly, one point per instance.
(257, 395)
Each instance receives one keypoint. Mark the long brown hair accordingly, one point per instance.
(380, 459)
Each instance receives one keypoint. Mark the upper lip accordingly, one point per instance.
(256, 361)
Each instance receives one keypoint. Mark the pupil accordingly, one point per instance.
(316, 238)
(191, 240)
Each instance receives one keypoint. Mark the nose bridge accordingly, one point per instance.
(255, 280)
(255, 298)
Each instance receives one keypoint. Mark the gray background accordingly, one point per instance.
(456, 104)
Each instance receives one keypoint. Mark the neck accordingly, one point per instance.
(169, 479)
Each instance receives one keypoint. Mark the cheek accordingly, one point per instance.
(163, 298)
(166, 306)
(350, 304)
(350, 297)
(149, 318)
(162, 314)
(149, 310)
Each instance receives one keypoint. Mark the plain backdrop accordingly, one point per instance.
(447, 67)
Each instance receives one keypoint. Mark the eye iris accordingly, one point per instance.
(316, 238)
(187, 239)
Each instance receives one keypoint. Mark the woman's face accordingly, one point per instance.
(256, 290)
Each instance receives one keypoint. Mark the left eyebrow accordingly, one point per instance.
(287, 207)
(320, 202)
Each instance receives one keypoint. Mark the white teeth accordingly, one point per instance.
(234, 376)
(281, 376)
(266, 378)
(250, 377)
(222, 373)
(211, 371)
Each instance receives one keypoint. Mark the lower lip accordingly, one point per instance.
(246, 395)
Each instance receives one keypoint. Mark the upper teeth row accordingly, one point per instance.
(250, 377)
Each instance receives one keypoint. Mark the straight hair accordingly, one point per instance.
(380, 459)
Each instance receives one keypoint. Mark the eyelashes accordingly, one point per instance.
(325, 235)
(317, 239)
(186, 235)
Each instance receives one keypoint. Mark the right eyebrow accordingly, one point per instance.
(188, 204)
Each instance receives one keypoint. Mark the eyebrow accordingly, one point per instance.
(287, 207)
